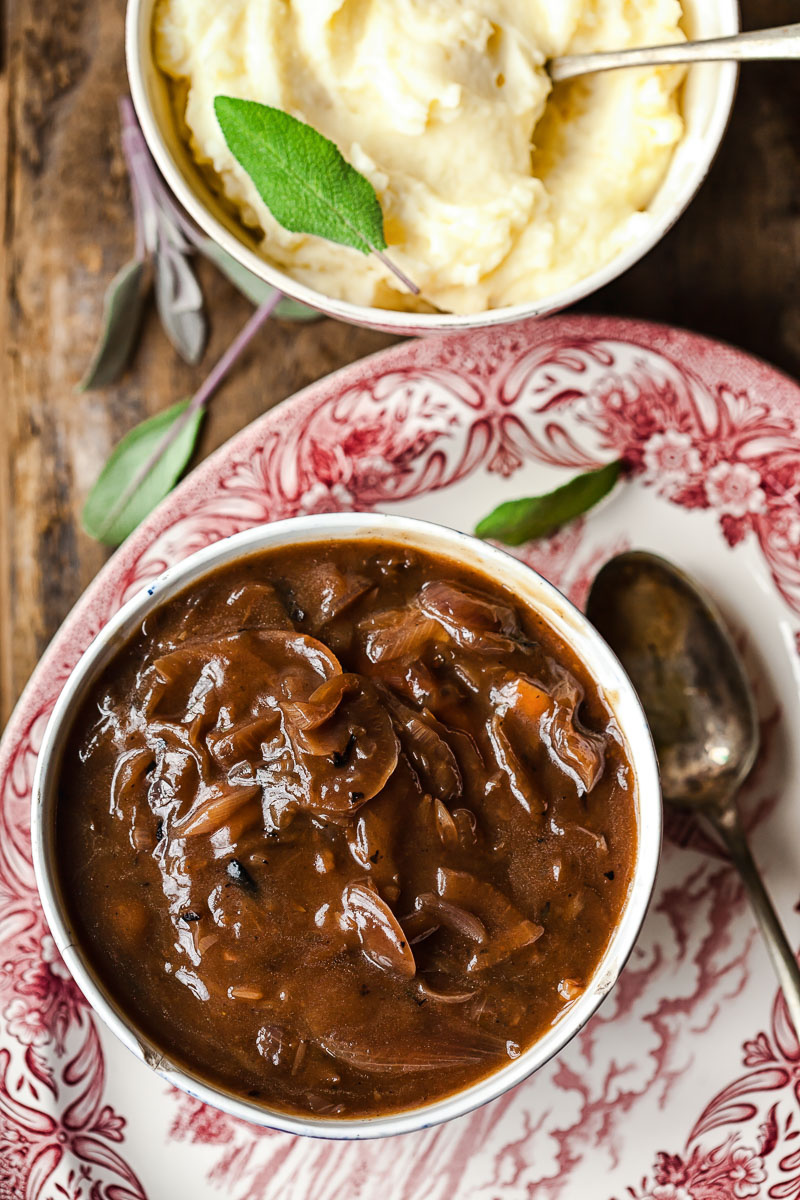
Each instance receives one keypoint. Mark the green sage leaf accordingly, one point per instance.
(519, 521)
(253, 288)
(130, 456)
(301, 176)
(122, 317)
(293, 310)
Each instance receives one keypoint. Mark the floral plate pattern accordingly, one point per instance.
(686, 1085)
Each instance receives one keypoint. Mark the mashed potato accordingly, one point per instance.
(495, 188)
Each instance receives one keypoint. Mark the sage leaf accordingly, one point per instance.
(518, 521)
(122, 316)
(180, 303)
(99, 517)
(301, 176)
(293, 310)
(253, 288)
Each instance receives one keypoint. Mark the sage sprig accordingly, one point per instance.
(166, 242)
(153, 455)
(304, 179)
(114, 507)
(518, 521)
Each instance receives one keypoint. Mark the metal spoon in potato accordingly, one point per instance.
(762, 44)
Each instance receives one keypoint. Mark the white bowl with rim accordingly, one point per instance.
(531, 589)
(707, 102)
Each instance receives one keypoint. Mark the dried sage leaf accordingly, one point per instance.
(122, 316)
(180, 304)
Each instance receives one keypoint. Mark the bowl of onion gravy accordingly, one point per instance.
(346, 824)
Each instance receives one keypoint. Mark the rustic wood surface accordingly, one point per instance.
(730, 268)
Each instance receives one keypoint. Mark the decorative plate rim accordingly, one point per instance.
(685, 412)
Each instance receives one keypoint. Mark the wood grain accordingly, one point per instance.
(729, 268)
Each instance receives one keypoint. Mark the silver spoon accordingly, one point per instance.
(673, 643)
(780, 43)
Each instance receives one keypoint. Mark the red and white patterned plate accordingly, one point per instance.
(686, 1085)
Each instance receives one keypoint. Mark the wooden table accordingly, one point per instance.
(730, 268)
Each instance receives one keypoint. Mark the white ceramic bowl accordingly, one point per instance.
(573, 628)
(708, 98)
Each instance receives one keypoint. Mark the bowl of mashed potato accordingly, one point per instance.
(503, 197)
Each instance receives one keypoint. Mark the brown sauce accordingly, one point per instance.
(344, 828)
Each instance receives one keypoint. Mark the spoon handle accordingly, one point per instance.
(780, 43)
(729, 827)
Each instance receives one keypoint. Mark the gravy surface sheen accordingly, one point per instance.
(345, 827)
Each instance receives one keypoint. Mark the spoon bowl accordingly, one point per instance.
(672, 641)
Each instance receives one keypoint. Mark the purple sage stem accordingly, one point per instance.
(387, 262)
(198, 401)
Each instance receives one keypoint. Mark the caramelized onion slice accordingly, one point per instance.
(251, 670)
(235, 827)
(216, 805)
(441, 995)
(508, 930)
(461, 887)
(445, 825)
(130, 777)
(522, 787)
(182, 680)
(419, 925)
(452, 916)
(474, 622)
(252, 605)
(278, 1045)
(460, 1047)
(244, 742)
(255, 606)
(302, 655)
(371, 838)
(579, 752)
(365, 755)
(531, 716)
(467, 826)
(504, 945)
(398, 633)
(328, 592)
(422, 739)
(181, 765)
(312, 724)
(382, 939)
(412, 680)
